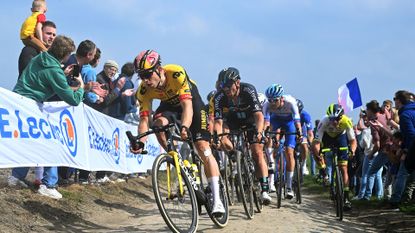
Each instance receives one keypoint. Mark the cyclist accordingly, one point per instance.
(336, 129)
(244, 109)
(281, 112)
(262, 98)
(180, 97)
(308, 136)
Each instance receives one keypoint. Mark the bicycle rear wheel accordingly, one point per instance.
(245, 185)
(180, 212)
(297, 179)
(231, 182)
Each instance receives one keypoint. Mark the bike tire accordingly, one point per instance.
(245, 185)
(220, 221)
(280, 180)
(257, 197)
(173, 210)
(339, 193)
(297, 184)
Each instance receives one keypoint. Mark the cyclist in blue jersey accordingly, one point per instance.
(308, 135)
(281, 112)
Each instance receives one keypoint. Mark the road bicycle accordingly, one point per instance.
(178, 189)
(248, 185)
(280, 183)
(336, 183)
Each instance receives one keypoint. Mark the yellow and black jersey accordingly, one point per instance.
(178, 87)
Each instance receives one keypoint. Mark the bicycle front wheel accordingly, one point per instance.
(179, 211)
(280, 182)
(339, 193)
(245, 185)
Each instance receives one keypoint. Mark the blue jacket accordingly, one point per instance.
(407, 124)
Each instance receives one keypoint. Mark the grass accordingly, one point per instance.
(312, 187)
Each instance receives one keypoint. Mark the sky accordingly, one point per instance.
(310, 47)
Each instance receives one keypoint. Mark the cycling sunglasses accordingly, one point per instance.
(145, 75)
(335, 118)
(274, 100)
(227, 84)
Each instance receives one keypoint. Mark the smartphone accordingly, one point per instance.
(76, 70)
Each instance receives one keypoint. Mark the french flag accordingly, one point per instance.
(349, 96)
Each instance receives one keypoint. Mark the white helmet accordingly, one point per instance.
(262, 98)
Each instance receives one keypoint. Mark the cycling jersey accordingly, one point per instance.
(247, 103)
(283, 117)
(178, 87)
(306, 120)
(306, 123)
(240, 113)
(285, 113)
(344, 126)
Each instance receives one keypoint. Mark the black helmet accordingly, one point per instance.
(300, 105)
(210, 95)
(228, 76)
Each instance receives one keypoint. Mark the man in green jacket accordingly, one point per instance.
(42, 78)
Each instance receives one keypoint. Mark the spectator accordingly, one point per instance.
(114, 91)
(391, 114)
(125, 107)
(90, 75)
(31, 30)
(85, 53)
(366, 143)
(28, 52)
(381, 142)
(41, 79)
(404, 102)
(26, 55)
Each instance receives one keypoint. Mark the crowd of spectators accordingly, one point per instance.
(42, 77)
(386, 153)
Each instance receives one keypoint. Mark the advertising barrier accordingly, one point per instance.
(57, 134)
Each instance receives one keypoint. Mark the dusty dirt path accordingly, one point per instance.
(314, 215)
(130, 207)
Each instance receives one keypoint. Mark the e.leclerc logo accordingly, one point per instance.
(67, 125)
(116, 143)
(30, 127)
(101, 142)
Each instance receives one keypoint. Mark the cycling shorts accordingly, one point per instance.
(340, 142)
(288, 127)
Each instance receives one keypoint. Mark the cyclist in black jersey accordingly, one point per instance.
(244, 110)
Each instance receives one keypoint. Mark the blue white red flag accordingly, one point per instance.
(349, 96)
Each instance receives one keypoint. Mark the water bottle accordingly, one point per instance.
(196, 173)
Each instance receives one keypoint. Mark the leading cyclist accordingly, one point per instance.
(179, 97)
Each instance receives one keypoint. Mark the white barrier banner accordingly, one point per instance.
(57, 134)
